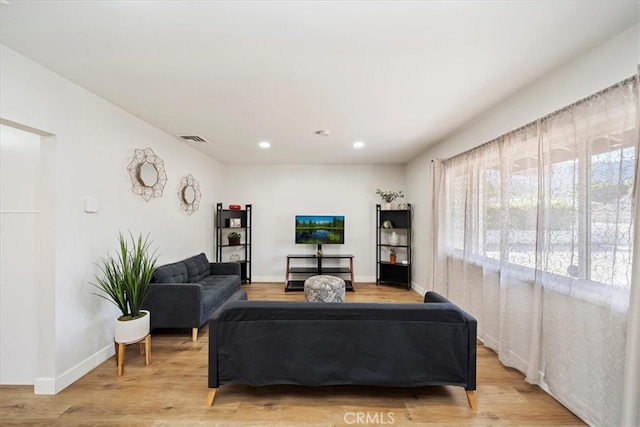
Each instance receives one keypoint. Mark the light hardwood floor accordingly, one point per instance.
(173, 389)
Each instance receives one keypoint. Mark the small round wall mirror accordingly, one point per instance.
(147, 174)
(189, 194)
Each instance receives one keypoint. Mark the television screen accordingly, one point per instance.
(320, 229)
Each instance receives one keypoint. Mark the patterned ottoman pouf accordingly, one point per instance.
(324, 289)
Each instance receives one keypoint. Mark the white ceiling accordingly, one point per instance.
(396, 75)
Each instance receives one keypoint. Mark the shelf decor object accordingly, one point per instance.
(389, 197)
(394, 239)
(147, 174)
(234, 238)
(189, 194)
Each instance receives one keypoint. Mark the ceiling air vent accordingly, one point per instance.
(194, 138)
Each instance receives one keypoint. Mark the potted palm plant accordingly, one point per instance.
(124, 281)
(392, 256)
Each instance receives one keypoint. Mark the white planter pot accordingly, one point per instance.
(388, 206)
(129, 331)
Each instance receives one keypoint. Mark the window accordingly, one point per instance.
(554, 196)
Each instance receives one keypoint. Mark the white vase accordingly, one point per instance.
(394, 239)
(130, 331)
(388, 206)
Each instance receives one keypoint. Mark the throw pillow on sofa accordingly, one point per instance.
(197, 268)
(170, 273)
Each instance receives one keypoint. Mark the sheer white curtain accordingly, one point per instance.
(535, 238)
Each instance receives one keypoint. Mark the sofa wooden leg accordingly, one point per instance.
(194, 334)
(211, 396)
(471, 397)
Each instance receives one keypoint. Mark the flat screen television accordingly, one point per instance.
(320, 229)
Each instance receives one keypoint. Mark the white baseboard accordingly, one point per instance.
(419, 289)
(268, 279)
(48, 385)
(280, 279)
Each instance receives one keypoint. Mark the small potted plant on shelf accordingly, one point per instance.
(234, 238)
(389, 196)
(124, 281)
(392, 256)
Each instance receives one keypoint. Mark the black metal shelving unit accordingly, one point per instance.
(398, 272)
(227, 221)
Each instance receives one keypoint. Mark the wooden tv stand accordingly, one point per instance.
(302, 273)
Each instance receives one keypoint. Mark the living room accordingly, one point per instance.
(86, 142)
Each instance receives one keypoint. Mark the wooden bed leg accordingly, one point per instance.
(471, 397)
(194, 334)
(211, 396)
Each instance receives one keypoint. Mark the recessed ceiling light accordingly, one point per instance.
(358, 144)
(264, 144)
(322, 132)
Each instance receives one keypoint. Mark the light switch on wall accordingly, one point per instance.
(90, 204)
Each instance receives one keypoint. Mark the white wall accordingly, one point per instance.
(19, 275)
(600, 68)
(278, 193)
(90, 145)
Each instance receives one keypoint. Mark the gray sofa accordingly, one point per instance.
(185, 294)
(319, 344)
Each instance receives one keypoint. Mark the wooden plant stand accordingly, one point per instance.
(145, 348)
